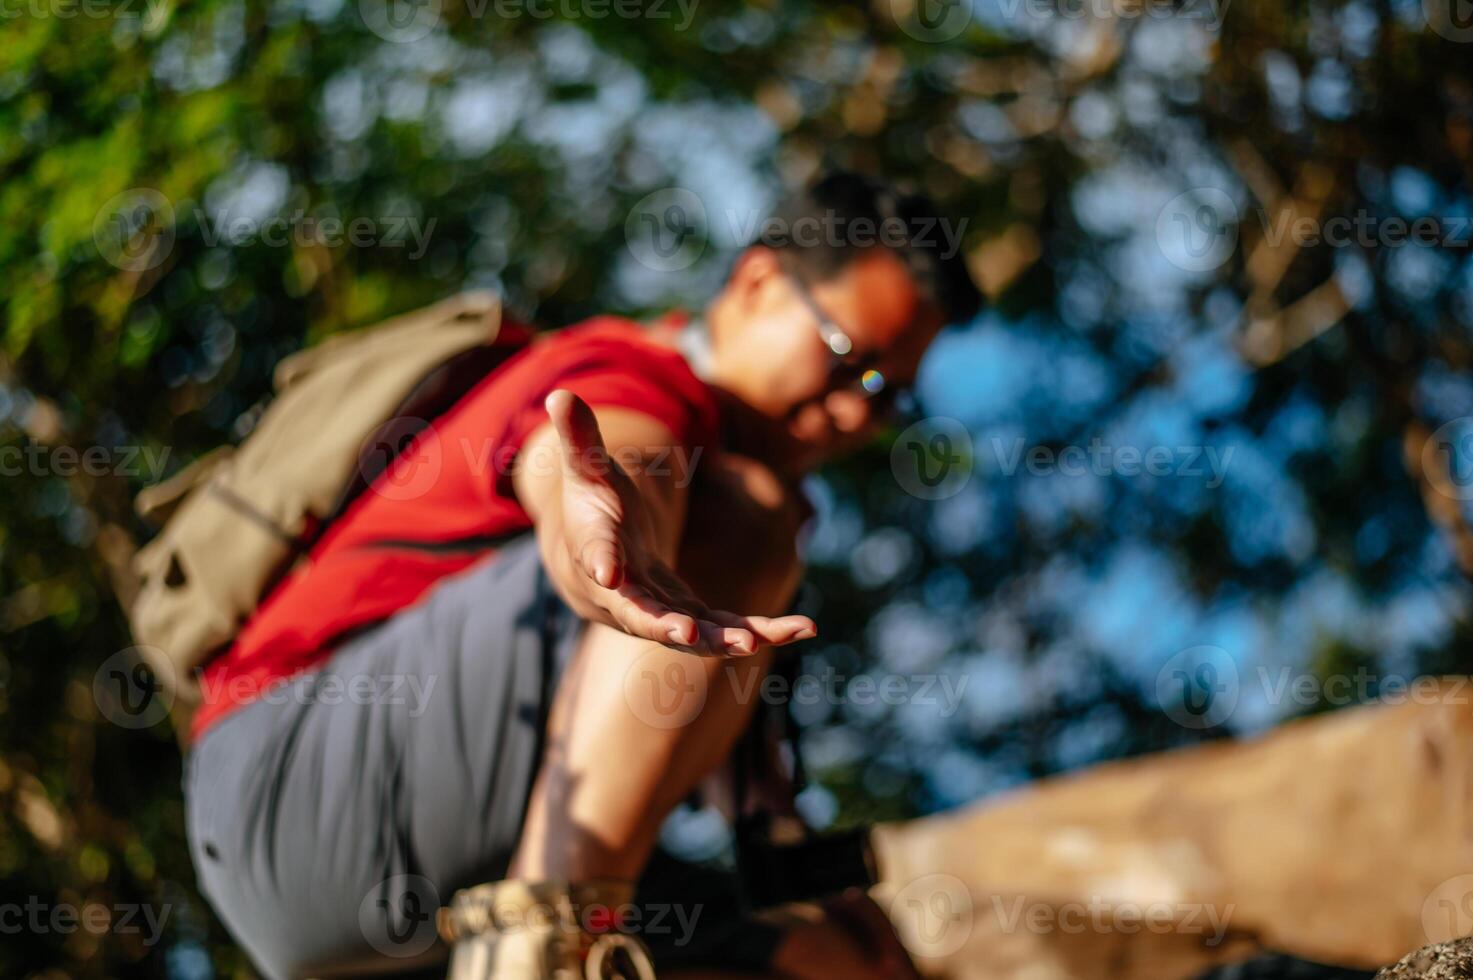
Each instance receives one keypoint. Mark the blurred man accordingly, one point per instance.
(654, 468)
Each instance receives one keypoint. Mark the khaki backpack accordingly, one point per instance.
(237, 519)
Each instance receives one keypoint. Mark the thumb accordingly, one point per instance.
(594, 539)
(596, 547)
(584, 454)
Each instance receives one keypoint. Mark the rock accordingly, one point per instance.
(1440, 961)
(1341, 839)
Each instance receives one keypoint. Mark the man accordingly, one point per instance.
(655, 469)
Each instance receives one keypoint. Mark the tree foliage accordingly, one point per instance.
(171, 176)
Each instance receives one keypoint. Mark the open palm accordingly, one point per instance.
(602, 553)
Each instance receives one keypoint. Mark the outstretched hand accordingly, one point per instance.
(601, 551)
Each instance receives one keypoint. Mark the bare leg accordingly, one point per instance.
(634, 729)
(636, 726)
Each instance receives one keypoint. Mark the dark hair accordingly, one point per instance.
(819, 230)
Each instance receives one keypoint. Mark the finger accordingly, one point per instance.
(707, 637)
(726, 641)
(641, 615)
(774, 631)
(778, 631)
(782, 630)
(584, 454)
(689, 632)
(727, 637)
(598, 551)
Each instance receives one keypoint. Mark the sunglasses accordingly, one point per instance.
(846, 371)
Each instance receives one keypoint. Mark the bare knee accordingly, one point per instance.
(740, 545)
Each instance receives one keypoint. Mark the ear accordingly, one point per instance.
(755, 270)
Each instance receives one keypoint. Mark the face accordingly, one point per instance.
(771, 350)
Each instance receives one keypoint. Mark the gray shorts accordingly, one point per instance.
(329, 819)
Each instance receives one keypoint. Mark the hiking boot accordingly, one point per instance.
(520, 930)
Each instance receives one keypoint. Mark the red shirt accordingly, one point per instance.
(447, 499)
